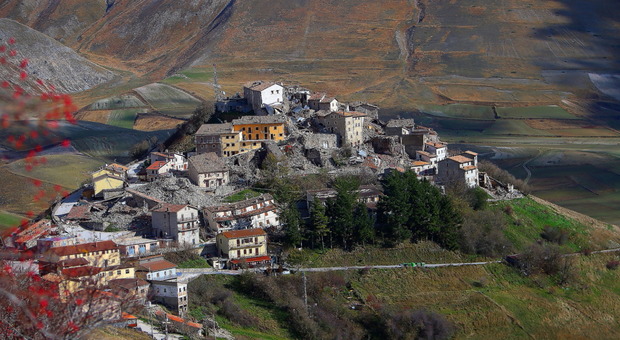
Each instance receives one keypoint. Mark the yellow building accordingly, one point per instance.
(247, 246)
(110, 178)
(222, 140)
(261, 127)
(98, 254)
(73, 279)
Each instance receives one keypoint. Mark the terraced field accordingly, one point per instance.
(66, 170)
(169, 100)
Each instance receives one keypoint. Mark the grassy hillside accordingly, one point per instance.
(482, 302)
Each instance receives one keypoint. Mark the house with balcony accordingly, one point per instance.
(179, 222)
(157, 169)
(243, 248)
(259, 212)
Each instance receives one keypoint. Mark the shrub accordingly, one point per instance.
(555, 235)
(482, 232)
(612, 265)
(419, 324)
(547, 259)
(503, 176)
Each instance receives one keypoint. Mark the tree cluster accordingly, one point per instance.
(417, 210)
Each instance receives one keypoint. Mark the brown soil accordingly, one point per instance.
(99, 116)
(552, 124)
(154, 122)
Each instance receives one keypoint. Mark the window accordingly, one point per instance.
(118, 272)
(126, 271)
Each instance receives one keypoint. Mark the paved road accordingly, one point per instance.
(192, 273)
(157, 333)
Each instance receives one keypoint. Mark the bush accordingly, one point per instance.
(612, 265)
(419, 324)
(482, 233)
(547, 259)
(554, 234)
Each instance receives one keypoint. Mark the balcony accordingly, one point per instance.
(187, 219)
(247, 245)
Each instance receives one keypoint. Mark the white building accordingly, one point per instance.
(260, 212)
(209, 171)
(157, 169)
(172, 294)
(156, 268)
(176, 160)
(136, 246)
(176, 221)
(348, 125)
(462, 168)
(438, 149)
(260, 94)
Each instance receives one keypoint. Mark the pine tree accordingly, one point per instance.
(364, 225)
(319, 227)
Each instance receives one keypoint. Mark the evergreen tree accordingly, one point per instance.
(340, 210)
(394, 209)
(292, 226)
(364, 225)
(319, 227)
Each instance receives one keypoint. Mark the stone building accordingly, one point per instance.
(256, 128)
(348, 125)
(209, 171)
(179, 222)
(461, 168)
(260, 94)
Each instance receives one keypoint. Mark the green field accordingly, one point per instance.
(190, 75)
(124, 118)
(9, 220)
(242, 195)
(550, 112)
(118, 102)
(169, 100)
(66, 170)
(108, 142)
(463, 111)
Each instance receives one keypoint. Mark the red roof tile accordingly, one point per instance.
(84, 248)
(79, 212)
(252, 259)
(156, 266)
(244, 233)
(80, 271)
(460, 159)
(157, 165)
(73, 262)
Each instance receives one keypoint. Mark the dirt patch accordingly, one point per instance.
(552, 124)
(100, 116)
(154, 122)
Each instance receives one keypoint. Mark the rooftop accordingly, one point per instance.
(208, 162)
(321, 97)
(157, 165)
(460, 159)
(84, 248)
(156, 266)
(244, 233)
(128, 283)
(427, 154)
(350, 114)
(419, 163)
(214, 129)
(471, 153)
(35, 230)
(436, 145)
(167, 207)
(275, 119)
(469, 167)
(259, 85)
(252, 259)
(83, 271)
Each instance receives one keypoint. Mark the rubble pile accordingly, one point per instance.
(177, 191)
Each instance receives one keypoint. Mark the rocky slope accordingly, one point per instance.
(50, 61)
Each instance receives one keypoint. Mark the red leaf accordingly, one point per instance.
(12, 53)
(2, 48)
(23, 63)
(5, 84)
(23, 75)
(37, 183)
(66, 143)
(57, 187)
(11, 41)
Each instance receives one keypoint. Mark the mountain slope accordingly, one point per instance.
(51, 61)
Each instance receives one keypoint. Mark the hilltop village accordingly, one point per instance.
(114, 232)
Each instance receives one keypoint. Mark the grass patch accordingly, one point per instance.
(550, 111)
(464, 111)
(513, 127)
(528, 219)
(9, 220)
(194, 263)
(67, 170)
(242, 195)
(124, 118)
